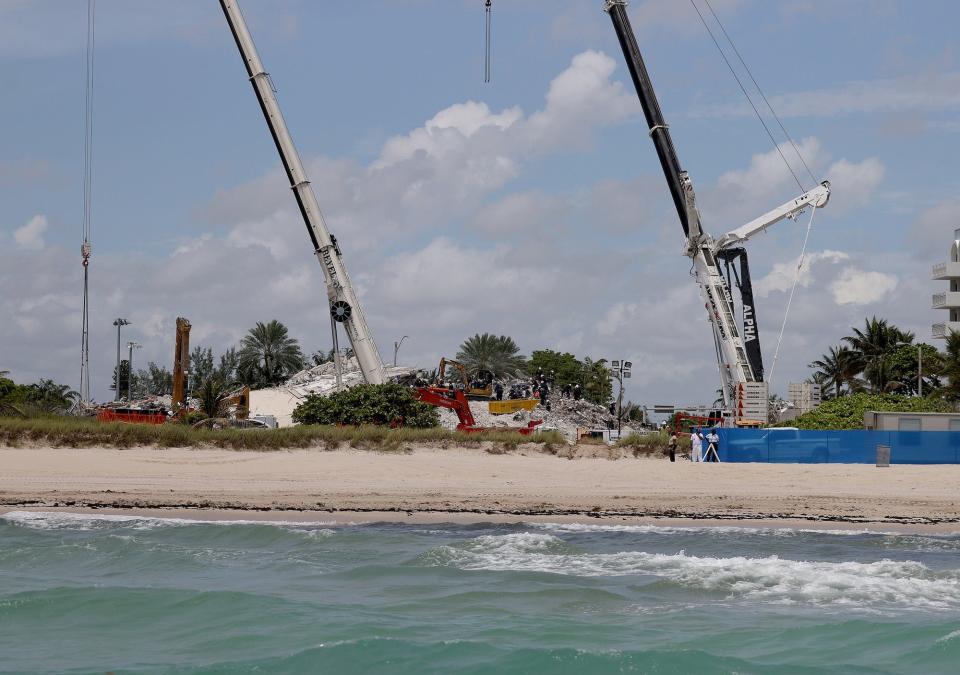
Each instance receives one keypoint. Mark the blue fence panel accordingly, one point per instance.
(846, 447)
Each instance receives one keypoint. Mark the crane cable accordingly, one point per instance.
(85, 247)
(733, 72)
(489, 15)
(793, 289)
(762, 95)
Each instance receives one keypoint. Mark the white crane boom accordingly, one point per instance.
(344, 305)
(739, 357)
(817, 198)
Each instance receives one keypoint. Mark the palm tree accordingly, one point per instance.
(51, 396)
(837, 367)
(268, 355)
(212, 395)
(871, 348)
(499, 355)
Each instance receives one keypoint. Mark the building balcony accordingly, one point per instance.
(946, 271)
(942, 330)
(946, 300)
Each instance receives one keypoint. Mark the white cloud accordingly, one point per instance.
(783, 274)
(767, 173)
(744, 193)
(931, 233)
(858, 287)
(30, 236)
(852, 184)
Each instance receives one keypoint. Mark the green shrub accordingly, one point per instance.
(371, 404)
(846, 412)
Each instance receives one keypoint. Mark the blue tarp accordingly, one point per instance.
(840, 447)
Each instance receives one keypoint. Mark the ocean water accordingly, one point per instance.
(122, 594)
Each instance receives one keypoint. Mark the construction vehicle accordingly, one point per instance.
(181, 367)
(470, 388)
(739, 356)
(455, 400)
(239, 400)
(342, 299)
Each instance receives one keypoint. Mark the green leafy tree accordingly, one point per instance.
(124, 374)
(379, 404)
(847, 412)
(268, 355)
(499, 355)
(566, 368)
(597, 385)
(201, 365)
(6, 384)
(229, 365)
(159, 380)
(950, 368)
(903, 366)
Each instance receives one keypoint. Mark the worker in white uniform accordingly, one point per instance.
(696, 445)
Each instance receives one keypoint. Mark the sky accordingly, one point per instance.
(531, 206)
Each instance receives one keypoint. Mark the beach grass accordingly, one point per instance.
(652, 445)
(74, 432)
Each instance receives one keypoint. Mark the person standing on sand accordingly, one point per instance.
(713, 442)
(696, 444)
(672, 446)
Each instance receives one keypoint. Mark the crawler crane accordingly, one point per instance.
(739, 356)
(343, 302)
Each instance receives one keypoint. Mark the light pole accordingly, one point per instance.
(116, 380)
(131, 346)
(396, 348)
(620, 369)
(920, 370)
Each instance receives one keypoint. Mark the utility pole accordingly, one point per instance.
(620, 369)
(116, 380)
(920, 370)
(396, 348)
(131, 346)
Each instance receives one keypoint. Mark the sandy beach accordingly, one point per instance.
(472, 484)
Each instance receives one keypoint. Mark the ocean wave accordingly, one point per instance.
(63, 520)
(871, 585)
(701, 529)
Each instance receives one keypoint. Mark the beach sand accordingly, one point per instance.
(463, 484)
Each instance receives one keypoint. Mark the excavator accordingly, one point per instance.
(472, 392)
(454, 399)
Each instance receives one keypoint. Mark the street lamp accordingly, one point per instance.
(131, 346)
(620, 369)
(116, 380)
(396, 348)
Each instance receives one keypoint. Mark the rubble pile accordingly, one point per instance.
(566, 415)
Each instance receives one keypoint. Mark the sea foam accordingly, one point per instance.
(901, 584)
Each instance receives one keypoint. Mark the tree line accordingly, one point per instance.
(881, 358)
(500, 355)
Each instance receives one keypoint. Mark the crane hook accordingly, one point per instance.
(489, 14)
